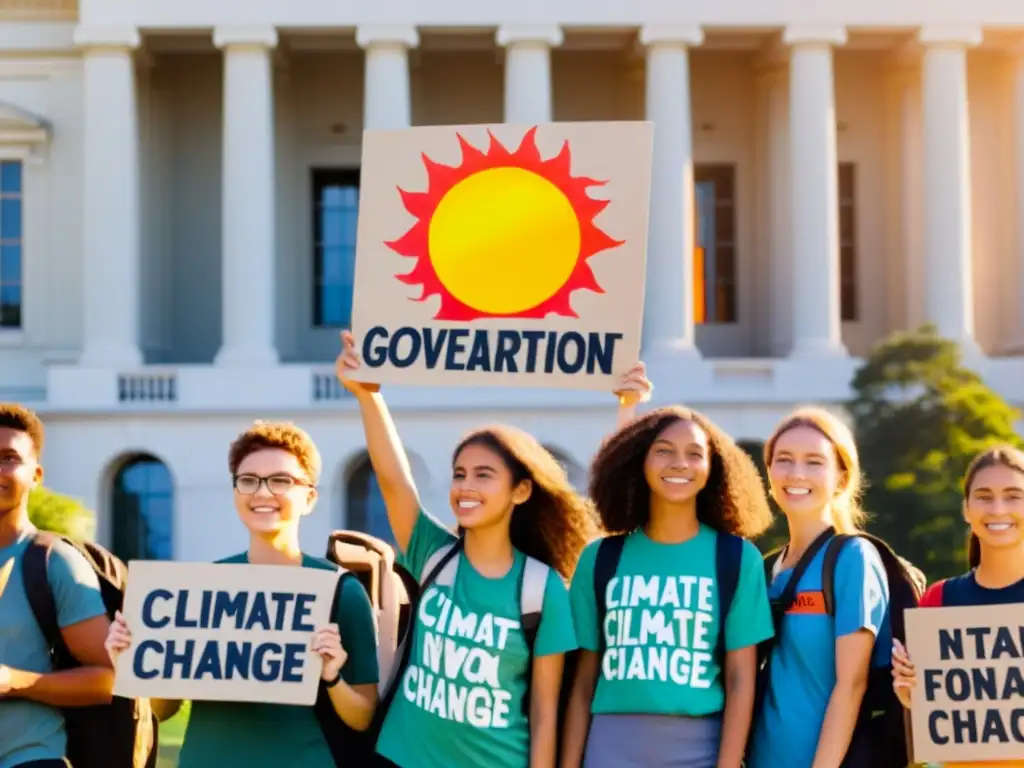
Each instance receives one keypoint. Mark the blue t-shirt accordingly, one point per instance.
(803, 672)
(29, 730)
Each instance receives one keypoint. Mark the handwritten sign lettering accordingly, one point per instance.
(969, 704)
(224, 632)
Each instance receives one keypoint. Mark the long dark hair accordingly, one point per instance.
(1002, 456)
(555, 523)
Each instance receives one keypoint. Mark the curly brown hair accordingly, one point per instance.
(733, 500)
(555, 523)
(283, 435)
(21, 419)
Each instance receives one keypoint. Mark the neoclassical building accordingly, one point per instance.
(179, 187)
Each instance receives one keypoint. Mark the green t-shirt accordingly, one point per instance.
(662, 624)
(271, 735)
(460, 701)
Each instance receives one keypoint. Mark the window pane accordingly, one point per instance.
(715, 260)
(332, 227)
(10, 218)
(10, 177)
(10, 263)
(143, 511)
(337, 194)
(10, 315)
(10, 294)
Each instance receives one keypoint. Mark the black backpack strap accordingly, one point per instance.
(405, 646)
(35, 577)
(606, 563)
(828, 571)
(728, 559)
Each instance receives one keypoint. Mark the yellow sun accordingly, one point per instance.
(504, 240)
(503, 234)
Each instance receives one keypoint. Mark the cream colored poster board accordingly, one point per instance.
(203, 631)
(969, 701)
(502, 255)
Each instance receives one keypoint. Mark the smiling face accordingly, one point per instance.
(272, 492)
(19, 469)
(483, 491)
(995, 506)
(804, 471)
(678, 462)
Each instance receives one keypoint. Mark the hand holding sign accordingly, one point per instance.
(904, 676)
(119, 638)
(347, 362)
(635, 388)
(327, 642)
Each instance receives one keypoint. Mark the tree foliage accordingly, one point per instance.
(920, 416)
(51, 511)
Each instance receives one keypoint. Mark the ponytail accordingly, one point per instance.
(974, 552)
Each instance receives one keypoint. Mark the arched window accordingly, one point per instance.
(364, 504)
(143, 510)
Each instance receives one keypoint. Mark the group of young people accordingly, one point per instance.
(654, 600)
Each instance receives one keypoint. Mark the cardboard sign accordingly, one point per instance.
(203, 631)
(502, 255)
(969, 701)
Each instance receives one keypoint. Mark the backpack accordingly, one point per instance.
(881, 736)
(123, 733)
(728, 558)
(390, 588)
(441, 568)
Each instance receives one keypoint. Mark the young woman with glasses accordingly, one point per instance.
(274, 469)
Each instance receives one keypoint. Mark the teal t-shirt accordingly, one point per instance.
(460, 701)
(661, 624)
(271, 735)
(29, 730)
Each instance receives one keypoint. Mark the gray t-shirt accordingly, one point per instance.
(28, 730)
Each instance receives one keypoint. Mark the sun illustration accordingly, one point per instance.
(503, 234)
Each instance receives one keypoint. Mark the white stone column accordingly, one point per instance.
(110, 192)
(528, 84)
(1017, 339)
(814, 190)
(949, 283)
(669, 304)
(387, 97)
(248, 197)
(911, 193)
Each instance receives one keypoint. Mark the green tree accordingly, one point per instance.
(920, 416)
(51, 511)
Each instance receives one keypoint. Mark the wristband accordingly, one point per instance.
(335, 681)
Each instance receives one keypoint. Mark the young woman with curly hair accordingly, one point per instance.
(666, 676)
(472, 693)
(993, 508)
(819, 666)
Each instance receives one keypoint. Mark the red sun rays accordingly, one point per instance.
(441, 178)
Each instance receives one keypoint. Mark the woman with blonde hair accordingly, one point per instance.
(829, 636)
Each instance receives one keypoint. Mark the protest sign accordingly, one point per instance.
(203, 631)
(969, 701)
(502, 255)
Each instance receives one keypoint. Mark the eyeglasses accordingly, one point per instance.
(278, 485)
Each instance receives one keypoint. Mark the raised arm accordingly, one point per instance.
(635, 389)
(384, 447)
